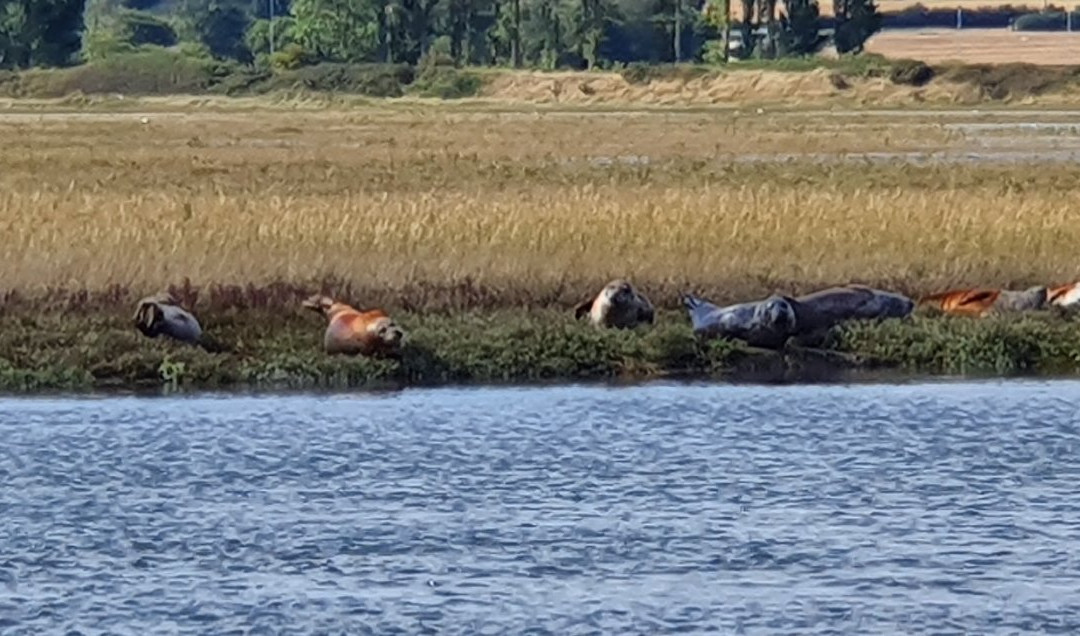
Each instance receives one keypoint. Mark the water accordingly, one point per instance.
(650, 509)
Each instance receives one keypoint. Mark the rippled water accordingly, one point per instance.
(756, 509)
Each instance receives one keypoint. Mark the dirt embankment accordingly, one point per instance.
(893, 87)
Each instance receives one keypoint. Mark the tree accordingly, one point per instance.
(39, 32)
(718, 15)
(856, 21)
(221, 28)
(337, 30)
(590, 19)
(543, 33)
(800, 29)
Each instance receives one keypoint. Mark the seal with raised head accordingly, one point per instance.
(162, 315)
(617, 305)
(765, 323)
(354, 332)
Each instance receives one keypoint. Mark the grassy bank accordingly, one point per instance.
(480, 229)
(81, 343)
(863, 79)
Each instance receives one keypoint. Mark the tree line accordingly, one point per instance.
(516, 33)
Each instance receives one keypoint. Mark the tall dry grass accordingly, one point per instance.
(510, 206)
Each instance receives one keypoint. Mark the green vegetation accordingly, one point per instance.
(285, 34)
(280, 348)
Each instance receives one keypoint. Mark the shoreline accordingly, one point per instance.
(103, 354)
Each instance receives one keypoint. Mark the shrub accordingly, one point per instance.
(148, 70)
(911, 73)
(1043, 21)
(448, 83)
(292, 56)
(139, 27)
(376, 80)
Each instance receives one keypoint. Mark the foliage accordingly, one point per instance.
(139, 27)
(257, 39)
(39, 32)
(855, 22)
(337, 30)
(799, 29)
(222, 28)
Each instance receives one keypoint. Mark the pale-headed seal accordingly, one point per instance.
(766, 323)
(354, 332)
(617, 305)
(161, 314)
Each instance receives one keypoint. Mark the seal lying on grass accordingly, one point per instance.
(766, 323)
(982, 302)
(617, 305)
(161, 314)
(828, 307)
(354, 332)
(771, 322)
(1065, 296)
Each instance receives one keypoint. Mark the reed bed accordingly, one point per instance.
(515, 209)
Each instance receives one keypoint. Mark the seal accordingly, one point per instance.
(1065, 296)
(823, 309)
(771, 322)
(983, 302)
(354, 332)
(162, 315)
(617, 305)
(767, 323)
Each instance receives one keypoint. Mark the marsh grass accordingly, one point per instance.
(441, 209)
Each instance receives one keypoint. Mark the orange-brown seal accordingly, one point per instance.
(617, 305)
(1065, 296)
(355, 332)
(981, 302)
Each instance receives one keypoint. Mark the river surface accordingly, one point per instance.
(867, 508)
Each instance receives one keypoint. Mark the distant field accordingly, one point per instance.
(896, 6)
(978, 46)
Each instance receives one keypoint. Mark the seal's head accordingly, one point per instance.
(161, 314)
(776, 314)
(617, 305)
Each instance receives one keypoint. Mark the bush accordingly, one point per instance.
(375, 80)
(147, 71)
(448, 83)
(1043, 21)
(637, 73)
(292, 56)
(911, 73)
(138, 28)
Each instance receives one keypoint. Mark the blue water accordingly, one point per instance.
(650, 509)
